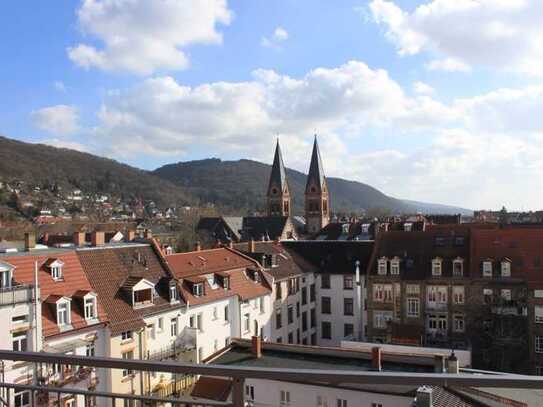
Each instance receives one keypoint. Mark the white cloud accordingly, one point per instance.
(59, 85)
(143, 36)
(423, 88)
(59, 120)
(448, 65)
(502, 34)
(279, 35)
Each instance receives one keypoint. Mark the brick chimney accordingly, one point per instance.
(79, 239)
(256, 346)
(424, 397)
(439, 363)
(251, 245)
(30, 240)
(97, 238)
(452, 364)
(376, 358)
(197, 246)
(130, 235)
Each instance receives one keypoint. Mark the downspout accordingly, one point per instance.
(140, 340)
(358, 305)
(36, 321)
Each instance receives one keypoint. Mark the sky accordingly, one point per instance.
(435, 100)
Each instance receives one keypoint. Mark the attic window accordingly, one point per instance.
(436, 266)
(55, 268)
(198, 289)
(506, 268)
(487, 268)
(6, 275)
(254, 275)
(63, 313)
(458, 267)
(90, 307)
(174, 295)
(223, 280)
(143, 297)
(395, 266)
(382, 266)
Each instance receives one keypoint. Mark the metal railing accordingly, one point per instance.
(240, 373)
(16, 294)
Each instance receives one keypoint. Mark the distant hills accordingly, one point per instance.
(235, 187)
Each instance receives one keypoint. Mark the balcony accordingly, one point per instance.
(16, 294)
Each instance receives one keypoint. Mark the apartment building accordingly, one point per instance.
(68, 319)
(294, 292)
(227, 295)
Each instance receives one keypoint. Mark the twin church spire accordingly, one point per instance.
(316, 191)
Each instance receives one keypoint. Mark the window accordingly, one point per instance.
(347, 282)
(395, 266)
(412, 289)
(226, 314)
(458, 294)
(312, 293)
(278, 319)
(278, 292)
(127, 356)
(174, 296)
(63, 313)
(382, 266)
(538, 312)
(126, 336)
(539, 344)
(304, 321)
(279, 340)
(413, 307)
(143, 297)
(198, 289)
(90, 349)
(348, 306)
(506, 268)
(246, 322)
(290, 314)
(326, 330)
(326, 307)
(290, 337)
(22, 399)
(436, 294)
(90, 308)
(173, 327)
(382, 292)
(304, 295)
(538, 293)
(505, 294)
(5, 278)
(297, 310)
(436, 266)
(437, 322)
(20, 319)
(313, 315)
(539, 370)
(250, 393)
(458, 323)
(322, 401)
(348, 330)
(19, 341)
(458, 267)
(488, 295)
(293, 286)
(56, 272)
(487, 268)
(341, 403)
(325, 281)
(381, 319)
(285, 397)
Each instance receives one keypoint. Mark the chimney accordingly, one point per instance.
(424, 397)
(439, 363)
(97, 238)
(251, 246)
(30, 241)
(79, 239)
(130, 235)
(147, 234)
(231, 244)
(376, 358)
(453, 364)
(256, 346)
(197, 246)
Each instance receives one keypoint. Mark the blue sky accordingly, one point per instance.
(427, 100)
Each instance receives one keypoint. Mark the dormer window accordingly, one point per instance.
(408, 227)
(141, 290)
(382, 266)
(63, 313)
(254, 275)
(436, 266)
(55, 268)
(458, 267)
(174, 294)
(395, 266)
(506, 268)
(487, 268)
(90, 307)
(198, 289)
(6, 275)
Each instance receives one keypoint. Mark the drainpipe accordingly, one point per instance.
(358, 303)
(35, 321)
(140, 341)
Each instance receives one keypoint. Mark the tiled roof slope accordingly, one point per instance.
(212, 388)
(74, 280)
(524, 247)
(235, 265)
(288, 263)
(109, 268)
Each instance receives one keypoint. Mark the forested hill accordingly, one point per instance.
(243, 183)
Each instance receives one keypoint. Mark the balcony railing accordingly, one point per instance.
(240, 373)
(16, 294)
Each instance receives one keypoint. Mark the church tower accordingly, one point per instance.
(317, 209)
(278, 191)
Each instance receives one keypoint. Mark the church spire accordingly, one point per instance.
(278, 191)
(317, 210)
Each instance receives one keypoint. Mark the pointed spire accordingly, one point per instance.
(316, 171)
(278, 177)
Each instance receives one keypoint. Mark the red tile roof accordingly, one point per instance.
(74, 280)
(207, 261)
(212, 388)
